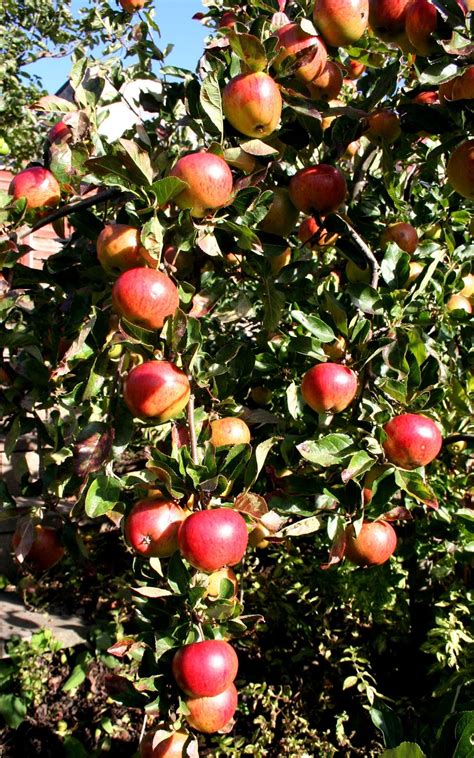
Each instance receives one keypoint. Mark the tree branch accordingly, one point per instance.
(192, 429)
(459, 438)
(66, 210)
(361, 170)
(364, 249)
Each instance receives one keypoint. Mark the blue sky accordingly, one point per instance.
(174, 18)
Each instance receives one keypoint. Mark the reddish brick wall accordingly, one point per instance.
(43, 243)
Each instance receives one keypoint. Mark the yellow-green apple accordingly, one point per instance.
(374, 544)
(282, 215)
(46, 549)
(119, 248)
(252, 104)
(229, 431)
(341, 22)
(220, 582)
(404, 235)
(357, 275)
(458, 302)
(383, 127)
(460, 169)
(171, 746)
(212, 539)
(37, 185)
(308, 50)
(151, 527)
(412, 440)
(209, 179)
(337, 349)
(277, 262)
(420, 24)
(211, 714)
(205, 669)
(415, 269)
(328, 84)
(468, 289)
(261, 395)
(320, 189)
(145, 297)
(156, 389)
(329, 387)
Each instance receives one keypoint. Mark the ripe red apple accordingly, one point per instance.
(209, 179)
(341, 22)
(383, 127)
(327, 85)
(412, 440)
(387, 19)
(252, 104)
(311, 231)
(145, 297)
(212, 539)
(156, 389)
(210, 714)
(37, 185)
(309, 51)
(46, 549)
(130, 6)
(429, 97)
(460, 169)
(205, 669)
(320, 188)
(421, 22)
(229, 431)
(463, 86)
(329, 387)
(169, 747)
(374, 545)
(119, 248)
(217, 585)
(404, 235)
(151, 527)
(355, 69)
(60, 132)
(282, 215)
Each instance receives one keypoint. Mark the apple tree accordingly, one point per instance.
(252, 360)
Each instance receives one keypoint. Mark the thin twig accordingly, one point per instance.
(360, 178)
(67, 210)
(192, 430)
(364, 249)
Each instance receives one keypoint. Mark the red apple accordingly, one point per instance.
(210, 714)
(412, 440)
(119, 248)
(429, 97)
(383, 127)
(282, 215)
(355, 69)
(209, 179)
(252, 104)
(130, 6)
(168, 747)
(46, 549)
(341, 22)
(320, 189)
(404, 235)
(145, 297)
(60, 132)
(151, 527)
(420, 24)
(460, 169)
(445, 91)
(327, 85)
(309, 51)
(229, 431)
(311, 231)
(156, 389)
(374, 544)
(463, 86)
(212, 539)
(205, 669)
(329, 387)
(37, 185)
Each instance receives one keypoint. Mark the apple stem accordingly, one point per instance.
(364, 249)
(325, 420)
(192, 430)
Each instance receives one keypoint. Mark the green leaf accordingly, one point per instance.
(152, 237)
(328, 450)
(13, 710)
(211, 101)
(365, 298)
(273, 302)
(257, 461)
(389, 724)
(412, 483)
(249, 49)
(140, 159)
(358, 464)
(102, 496)
(314, 326)
(178, 575)
(78, 673)
(166, 189)
(465, 733)
(404, 750)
